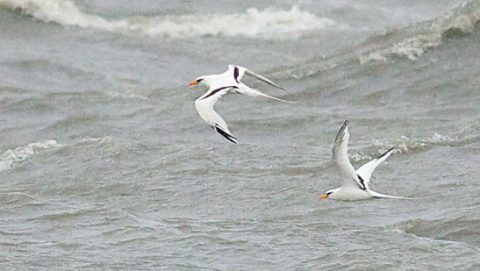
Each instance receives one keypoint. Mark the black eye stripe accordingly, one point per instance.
(199, 80)
(328, 193)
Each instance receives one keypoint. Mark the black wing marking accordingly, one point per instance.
(361, 182)
(218, 90)
(340, 132)
(385, 153)
(228, 136)
(236, 73)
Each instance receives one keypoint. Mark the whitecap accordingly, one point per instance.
(460, 21)
(253, 23)
(12, 156)
(104, 140)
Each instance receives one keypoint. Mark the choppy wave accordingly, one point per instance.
(406, 144)
(10, 157)
(409, 144)
(461, 229)
(105, 140)
(254, 23)
(460, 21)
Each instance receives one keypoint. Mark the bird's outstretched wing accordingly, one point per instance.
(239, 72)
(245, 90)
(366, 170)
(342, 163)
(205, 108)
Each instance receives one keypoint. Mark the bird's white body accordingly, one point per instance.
(221, 84)
(349, 193)
(355, 183)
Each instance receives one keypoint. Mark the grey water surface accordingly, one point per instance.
(106, 165)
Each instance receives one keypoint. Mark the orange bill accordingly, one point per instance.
(193, 83)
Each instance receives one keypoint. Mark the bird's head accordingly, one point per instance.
(202, 80)
(327, 194)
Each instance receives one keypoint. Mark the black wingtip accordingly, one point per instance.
(342, 129)
(228, 136)
(386, 152)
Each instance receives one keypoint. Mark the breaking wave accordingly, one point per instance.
(460, 21)
(10, 157)
(459, 229)
(406, 144)
(254, 23)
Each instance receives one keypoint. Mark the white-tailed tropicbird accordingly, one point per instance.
(354, 182)
(221, 84)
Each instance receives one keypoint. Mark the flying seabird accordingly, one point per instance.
(221, 84)
(354, 183)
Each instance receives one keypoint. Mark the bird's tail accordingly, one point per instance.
(274, 98)
(378, 195)
(255, 93)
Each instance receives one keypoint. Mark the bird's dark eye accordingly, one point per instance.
(199, 80)
(328, 193)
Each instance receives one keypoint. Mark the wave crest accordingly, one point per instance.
(268, 23)
(459, 229)
(460, 21)
(406, 144)
(8, 158)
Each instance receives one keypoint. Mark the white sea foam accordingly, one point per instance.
(129, 94)
(107, 140)
(10, 157)
(254, 23)
(406, 144)
(459, 21)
